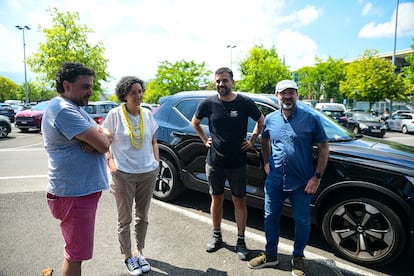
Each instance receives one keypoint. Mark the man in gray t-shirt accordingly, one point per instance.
(76, 149)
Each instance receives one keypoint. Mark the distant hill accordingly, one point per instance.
(17, 77)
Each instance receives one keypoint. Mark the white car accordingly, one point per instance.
(403, 122)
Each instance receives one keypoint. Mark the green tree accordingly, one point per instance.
(175, 77)
(67, 41)
(321, 82)
(113, 98)
(409, 70)
(308, 84)
(330, 73)
(261, 70)
(38, 91)
(371, 78)
(8, 89)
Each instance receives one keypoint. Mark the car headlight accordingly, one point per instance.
(363, 126)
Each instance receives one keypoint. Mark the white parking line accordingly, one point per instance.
(24, 148)
(259, 238)
(283, 246)
(22, 176)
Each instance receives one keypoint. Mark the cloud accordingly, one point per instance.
(367, 8)
(300, 18)
(405, 26)
(290, 47)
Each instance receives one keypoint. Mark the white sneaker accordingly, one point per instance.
(132, 266)
(143, 264)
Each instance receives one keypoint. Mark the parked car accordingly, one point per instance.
(99, 109)
(5, 126)
(403, 122)
(365, 203)
(8, 111)
(17, 105)
(31, 118)
(149, 106)
(360, 122)
(334, 110)
(386, 116)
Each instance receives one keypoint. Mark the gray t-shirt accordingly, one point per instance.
(72, 172)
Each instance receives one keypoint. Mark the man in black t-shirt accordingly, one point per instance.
(228, 114)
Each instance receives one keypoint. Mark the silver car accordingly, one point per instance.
(403, 122)
(99, 109)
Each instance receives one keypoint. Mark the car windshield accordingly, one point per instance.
(364, 117)
(5, 106)
(333, 113)
(334, 131)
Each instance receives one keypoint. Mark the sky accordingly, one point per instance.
(139, 34)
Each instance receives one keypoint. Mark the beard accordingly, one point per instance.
(81, 101)
(224, 91)
(288, 105)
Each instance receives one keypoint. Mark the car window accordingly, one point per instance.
(90, 109)
(107, 107)
(188, 107)
(265, 109)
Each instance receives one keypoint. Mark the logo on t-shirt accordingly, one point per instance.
(234, 113)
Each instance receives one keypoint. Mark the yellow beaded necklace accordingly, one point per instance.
(137, 140)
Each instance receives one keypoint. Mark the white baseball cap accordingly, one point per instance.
(285, 84)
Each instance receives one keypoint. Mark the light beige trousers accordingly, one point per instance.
(129, 189)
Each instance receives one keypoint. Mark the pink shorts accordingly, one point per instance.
(77, 216)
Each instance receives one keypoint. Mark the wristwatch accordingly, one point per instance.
(318, 175)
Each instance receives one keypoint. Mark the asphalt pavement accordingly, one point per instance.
(31, 241)
(30, 238)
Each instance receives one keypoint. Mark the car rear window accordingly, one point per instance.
(91, 109)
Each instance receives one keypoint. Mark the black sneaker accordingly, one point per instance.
(298, 268)
(132, 266)
(242, 250)
(214, 244)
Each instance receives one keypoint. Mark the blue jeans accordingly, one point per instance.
(274, 198)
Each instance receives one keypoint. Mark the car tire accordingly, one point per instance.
(404, 129)
(364, 230)
(168, 185)
(3, 131)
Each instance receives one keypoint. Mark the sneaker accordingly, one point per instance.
(214, 244)
(262, 261)
(143, 264)
(298, 268)
(132, 266)
(242, 250)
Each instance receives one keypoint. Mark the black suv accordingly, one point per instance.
(365, 204)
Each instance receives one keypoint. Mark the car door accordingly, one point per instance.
(192, 152)
(255, 171)
(394, 123)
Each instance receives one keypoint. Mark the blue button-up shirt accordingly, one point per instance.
(292, 140)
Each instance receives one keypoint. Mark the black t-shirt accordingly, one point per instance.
(228, 127)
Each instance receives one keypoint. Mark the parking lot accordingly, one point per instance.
(178, 231)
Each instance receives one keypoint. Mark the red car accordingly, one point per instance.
(31, 118)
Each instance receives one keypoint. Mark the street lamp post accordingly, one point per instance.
(395, 32)
(231, 47)
(24, 61)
